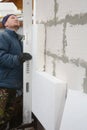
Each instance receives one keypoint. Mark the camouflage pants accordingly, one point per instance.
(3, 101)
(10, 107)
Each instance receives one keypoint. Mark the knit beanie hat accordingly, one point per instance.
(5, 18)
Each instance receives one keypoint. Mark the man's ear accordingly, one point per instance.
(6, 24)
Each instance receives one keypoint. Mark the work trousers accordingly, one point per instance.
(10, 107)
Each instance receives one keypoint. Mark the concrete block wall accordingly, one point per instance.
(65, 40)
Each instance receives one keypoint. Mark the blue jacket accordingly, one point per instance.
(11, 71)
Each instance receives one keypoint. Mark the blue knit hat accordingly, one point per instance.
(5, 18)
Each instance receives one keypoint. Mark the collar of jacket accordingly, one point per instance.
(13, 33)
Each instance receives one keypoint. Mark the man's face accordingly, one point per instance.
(12, 22)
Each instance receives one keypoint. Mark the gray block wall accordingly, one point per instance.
(62, 40)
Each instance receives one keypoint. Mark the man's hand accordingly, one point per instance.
(24, 57)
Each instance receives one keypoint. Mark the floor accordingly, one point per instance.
(39, 127)
(36, 125)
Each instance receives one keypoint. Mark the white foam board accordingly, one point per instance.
(48, 99)
(75, 111)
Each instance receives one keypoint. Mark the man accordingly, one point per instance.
(11, 69)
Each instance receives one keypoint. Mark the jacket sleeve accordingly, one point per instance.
(7, 59)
